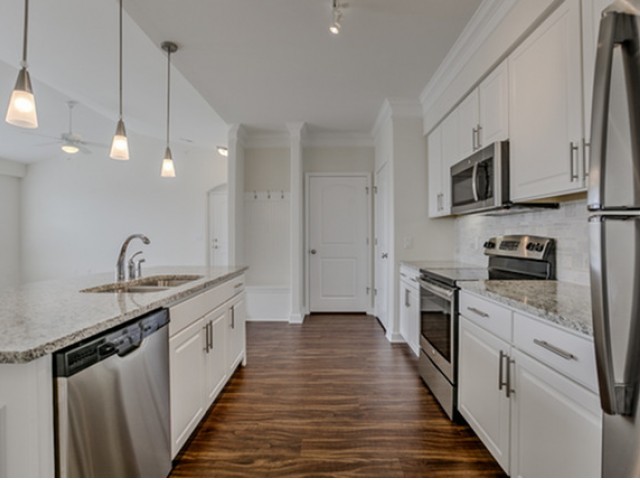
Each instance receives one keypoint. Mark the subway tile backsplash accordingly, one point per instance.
(568, 225)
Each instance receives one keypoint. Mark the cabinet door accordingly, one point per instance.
(414, 321)
(556, 424)
(186, 371)
(405, 312)
(468, 119)
(450, 156)
(434, 159)
(236, 333)
(494, 106)
(481, 402)
(215, 372)
(545, 108)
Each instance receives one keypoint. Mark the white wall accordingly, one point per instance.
(338, 159)
(267, 182)
(78, 210)
(568, 226)
(10, 236)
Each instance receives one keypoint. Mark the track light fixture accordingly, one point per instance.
(168, 168)
(337, 17)
(22, 104)
(120, 144)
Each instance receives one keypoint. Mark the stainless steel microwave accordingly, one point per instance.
(480, 182)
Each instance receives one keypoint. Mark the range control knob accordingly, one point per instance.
(539, 247)
(489, 245)
(530, 246)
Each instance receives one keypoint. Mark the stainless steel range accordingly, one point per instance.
(511, 257)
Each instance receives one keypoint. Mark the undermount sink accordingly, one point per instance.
(157, 283)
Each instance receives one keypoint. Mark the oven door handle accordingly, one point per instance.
(439, 291)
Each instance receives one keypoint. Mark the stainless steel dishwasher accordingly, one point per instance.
(112, 402)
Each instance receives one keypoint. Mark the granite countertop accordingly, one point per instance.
(565, 304)
(42, 317)
(438, 264)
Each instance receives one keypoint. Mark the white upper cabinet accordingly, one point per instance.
(545, 108)
(483, 116)
(493, 96)
(442, 151)
(468, 113)
(434, 158)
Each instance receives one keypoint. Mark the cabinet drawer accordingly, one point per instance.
(565, 352)
(185, 313)
(409, 276)
(487, 314)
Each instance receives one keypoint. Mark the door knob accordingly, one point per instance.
(313, 251)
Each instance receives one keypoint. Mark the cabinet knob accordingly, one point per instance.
(313, 251)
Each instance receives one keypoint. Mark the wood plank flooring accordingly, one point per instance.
(330, 398)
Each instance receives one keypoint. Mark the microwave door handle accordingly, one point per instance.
(600, 108)
(474, 182)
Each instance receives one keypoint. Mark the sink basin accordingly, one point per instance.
(157, 283)
(167, 280)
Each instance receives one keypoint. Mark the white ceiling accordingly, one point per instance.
(262, 63)
(265, 63)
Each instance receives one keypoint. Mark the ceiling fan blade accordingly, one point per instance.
(83, 149)
(95, 144)
(48, 144)
(33, 134)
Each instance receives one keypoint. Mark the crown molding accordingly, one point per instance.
(338, 139)
(395, 108)
(237, 133)
(483, 22)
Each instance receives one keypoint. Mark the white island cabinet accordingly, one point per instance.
(207, 343)
(410, 307)
(528, 389)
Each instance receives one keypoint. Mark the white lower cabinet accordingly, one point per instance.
(528, 398)
(410, 308)
(482, 400)
(556, 424)
(205, 346)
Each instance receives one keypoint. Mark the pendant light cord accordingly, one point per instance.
(168, 91)
(24, 35)
(120, 64)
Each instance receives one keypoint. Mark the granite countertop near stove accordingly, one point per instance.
(439, 264)
(42, 317)
(565, 304)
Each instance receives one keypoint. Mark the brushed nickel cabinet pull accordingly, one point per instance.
(553, 349)
(478, 312)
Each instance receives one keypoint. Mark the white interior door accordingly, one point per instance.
(338, 251)
(381, 246)
(218, 228)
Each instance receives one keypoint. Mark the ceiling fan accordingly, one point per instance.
(71, 142)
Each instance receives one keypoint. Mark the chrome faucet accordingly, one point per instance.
(135, 266)
(120, 270)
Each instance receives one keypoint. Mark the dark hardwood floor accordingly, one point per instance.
(330, 398)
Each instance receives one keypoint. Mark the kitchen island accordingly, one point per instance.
(40, 318)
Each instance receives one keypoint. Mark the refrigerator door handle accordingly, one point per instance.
(615, 398)
(600, 109)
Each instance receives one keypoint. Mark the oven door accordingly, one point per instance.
(437, 324)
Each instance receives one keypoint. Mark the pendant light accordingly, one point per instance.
(22, 104)
(168, 168)
(120, 144)
(336, 10)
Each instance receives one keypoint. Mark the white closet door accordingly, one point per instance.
(338, 251)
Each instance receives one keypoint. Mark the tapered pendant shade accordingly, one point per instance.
(120, 144)
(22, 104)
(168, 168)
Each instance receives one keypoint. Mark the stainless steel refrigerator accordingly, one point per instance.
(614, 203)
